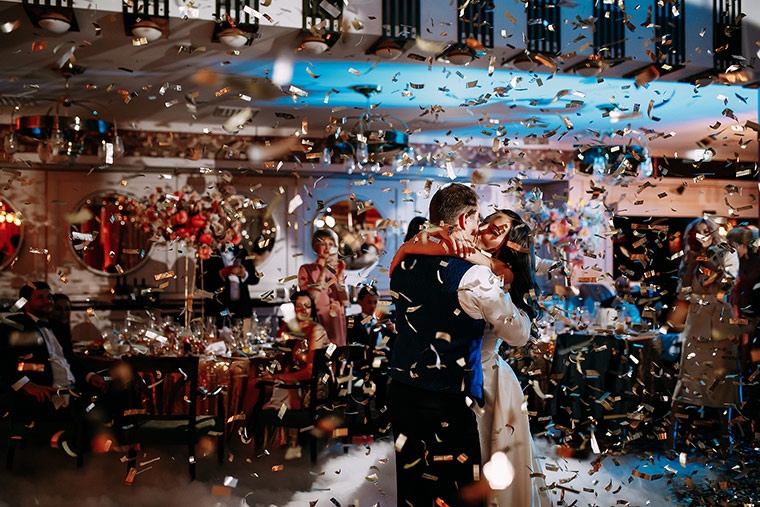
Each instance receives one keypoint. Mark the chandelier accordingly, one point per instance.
(616, 161)
(61, 136)
(374, 140)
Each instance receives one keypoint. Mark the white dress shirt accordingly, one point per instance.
(62, 375)
(481, 297)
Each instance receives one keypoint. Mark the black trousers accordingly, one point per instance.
(85, 415)
(442, 449)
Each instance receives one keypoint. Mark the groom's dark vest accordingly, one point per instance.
(438, 344)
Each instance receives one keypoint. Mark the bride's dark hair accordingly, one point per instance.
(517, 251)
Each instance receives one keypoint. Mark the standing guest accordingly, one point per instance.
(228, 275)
(709, 357)
(746, 305)
(366, 328)
(442, 305)
(323, 280)
(745, 241)
(378, 335)
(38, 365)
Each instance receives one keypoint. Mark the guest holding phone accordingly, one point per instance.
(323, 280)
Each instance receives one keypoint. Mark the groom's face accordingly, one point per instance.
(470, 222)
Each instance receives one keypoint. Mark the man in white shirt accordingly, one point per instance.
(228, 276)
(442, 306)
(37, 364)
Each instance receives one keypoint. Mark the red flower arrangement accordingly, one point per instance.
(205, 222)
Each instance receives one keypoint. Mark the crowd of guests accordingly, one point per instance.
(462, 287)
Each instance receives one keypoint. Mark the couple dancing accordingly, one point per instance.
(452, 315)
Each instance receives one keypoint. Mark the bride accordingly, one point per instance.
(502, 425)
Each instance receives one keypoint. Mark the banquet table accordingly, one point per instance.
(611, 384)
(233, 378)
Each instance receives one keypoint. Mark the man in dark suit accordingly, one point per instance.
(366, 328)
(378, 335)
(227, 275)
(38, 365)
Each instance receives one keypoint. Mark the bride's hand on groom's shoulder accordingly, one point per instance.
(462, 243)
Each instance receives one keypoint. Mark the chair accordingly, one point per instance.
(331, 392)
(159, 385)
(19, 430)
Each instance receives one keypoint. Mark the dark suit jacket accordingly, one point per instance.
(215, 283)
(356, 332)
(23, 353)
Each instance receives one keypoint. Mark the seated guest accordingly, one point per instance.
(37, 361)
(311, 336)
(61, 316)
(624, 303)
(365, 328)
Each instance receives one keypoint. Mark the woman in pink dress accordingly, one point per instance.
(323, 280)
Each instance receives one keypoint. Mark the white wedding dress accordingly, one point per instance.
(504, 427)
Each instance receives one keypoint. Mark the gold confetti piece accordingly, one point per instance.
(164, 275)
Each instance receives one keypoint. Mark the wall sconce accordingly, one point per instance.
(321, 26)
(55, 22)
(590, 67)
(55, 16)
(524, 62)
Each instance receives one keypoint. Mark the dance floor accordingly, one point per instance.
(362, 477)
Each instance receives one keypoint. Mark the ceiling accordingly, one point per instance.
(189, 83)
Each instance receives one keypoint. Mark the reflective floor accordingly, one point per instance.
(362, 477)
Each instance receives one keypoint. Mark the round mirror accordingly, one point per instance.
(258, 229)
(106, 233)
(355, 222)
(11, 233)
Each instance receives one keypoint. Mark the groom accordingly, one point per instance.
(442, 305)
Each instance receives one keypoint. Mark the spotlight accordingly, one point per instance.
(54, 22)
(148, 30)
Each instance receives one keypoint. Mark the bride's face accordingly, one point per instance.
(493, 232)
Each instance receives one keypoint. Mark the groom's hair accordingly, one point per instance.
(451, 201)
